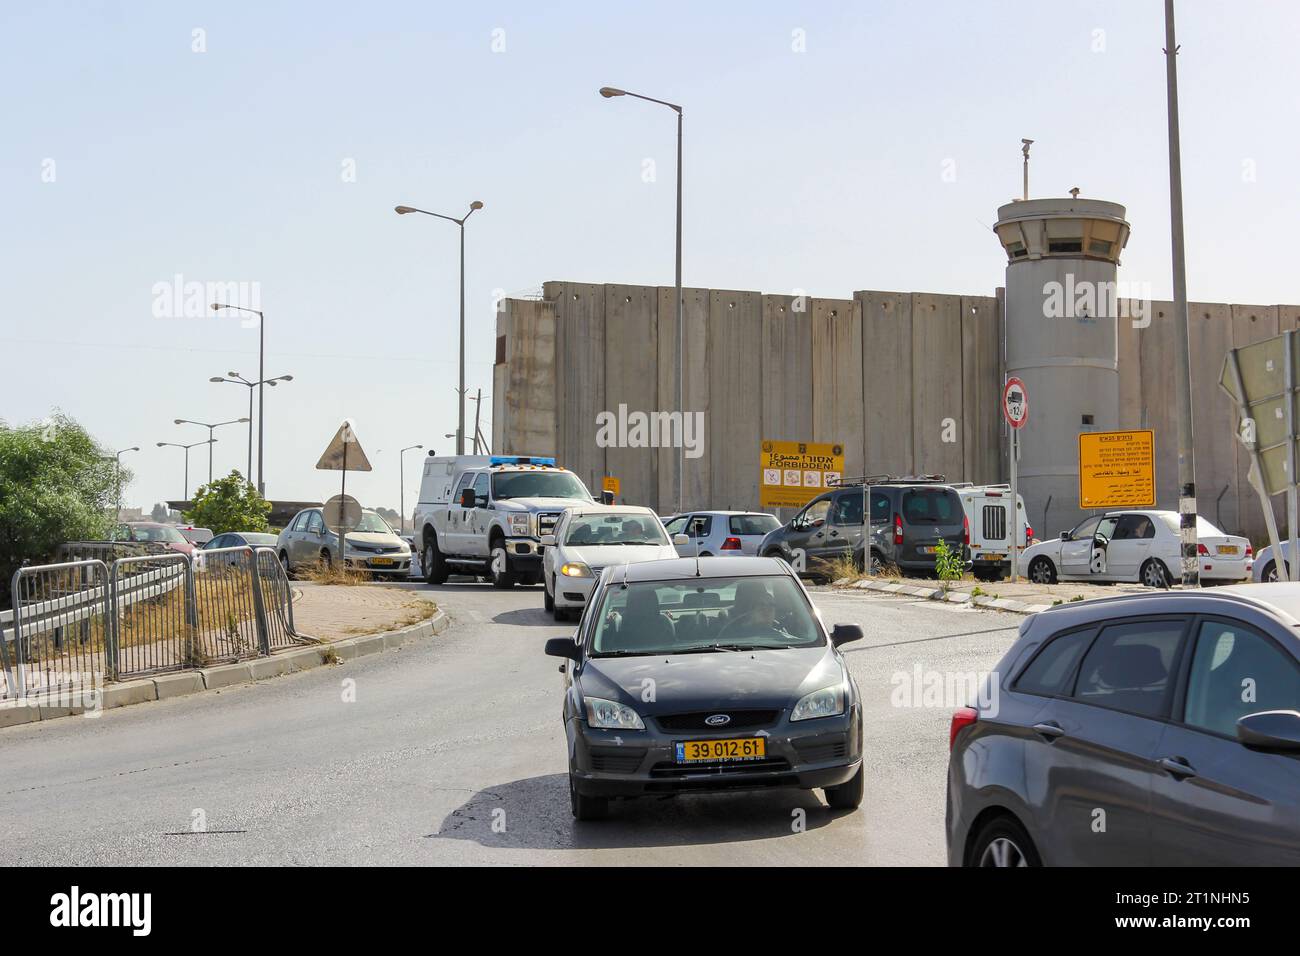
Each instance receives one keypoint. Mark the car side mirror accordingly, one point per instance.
(563, 647)
(467, 498)
(1270, 730)
(680, 538)
(844, 633)
(547, 541)
(1065, 536)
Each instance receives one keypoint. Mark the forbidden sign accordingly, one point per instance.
(1015, 403)
(792, 473)
(1117, 469)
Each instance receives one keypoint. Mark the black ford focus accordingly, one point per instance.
(707, 675)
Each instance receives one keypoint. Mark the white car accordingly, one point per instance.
(1141, 546)
(588, 539)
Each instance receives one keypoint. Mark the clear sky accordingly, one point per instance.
(830, 147)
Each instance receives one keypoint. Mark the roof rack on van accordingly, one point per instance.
(891, 480)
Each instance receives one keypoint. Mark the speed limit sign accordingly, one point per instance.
(1015, 403)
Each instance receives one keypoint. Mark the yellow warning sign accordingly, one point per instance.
(1117, 469)
(795, 472)
(610, 483)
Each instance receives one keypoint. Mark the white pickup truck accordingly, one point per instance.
(485, 515)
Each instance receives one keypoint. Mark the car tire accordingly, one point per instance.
(1154, 574)
(1003, 842)
(1270, 575)
(431, 562)
(499, 564)
(705, 554)
(284, 563)
(326, 559)
(584, 808)
(848, 795)
(1042, 571)
(548, 601)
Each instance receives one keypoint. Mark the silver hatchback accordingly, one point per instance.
(721, 533)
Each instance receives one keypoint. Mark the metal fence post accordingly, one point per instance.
(20, 679)
(259, 607)
(111, 635)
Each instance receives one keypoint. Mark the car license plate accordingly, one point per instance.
(699, 751)
(1226, 549)
(927, 549)
(986, 556)
(381, 562)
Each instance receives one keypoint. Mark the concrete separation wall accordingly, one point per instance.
(165, 686)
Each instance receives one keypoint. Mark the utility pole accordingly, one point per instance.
(478, 407)
(1183, 352)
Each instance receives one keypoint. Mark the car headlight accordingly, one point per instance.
(826, 702)
(612, 715)
(520, 523)
(575, 569)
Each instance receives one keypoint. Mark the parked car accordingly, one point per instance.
(721, 533)
(372, 546)
(204, 559)
(779, 710)
(1267, 569)
(586, 541)
(909, 517)
(164, 536)
(1146, 729)
(1141, 546)
(989, 516)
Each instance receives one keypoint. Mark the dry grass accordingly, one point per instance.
(845, 572)
(414, 612)
(322, 573)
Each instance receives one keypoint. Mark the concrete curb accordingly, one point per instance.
(166, 686)
(952, 597)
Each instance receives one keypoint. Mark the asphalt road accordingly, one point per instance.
(453, 753)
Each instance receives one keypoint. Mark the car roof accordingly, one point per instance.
(673, 569)
(1282, 600)
(599, 509)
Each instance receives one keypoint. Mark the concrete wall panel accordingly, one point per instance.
(837, 400)
(695, 311)
(524, 388)
(1248, 323)
(733, 433)
(631, 380)
(887, 381)
(787, 370)
(580, 376)
(981, 389)
(937, 385)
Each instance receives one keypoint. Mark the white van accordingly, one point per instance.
(988, 512)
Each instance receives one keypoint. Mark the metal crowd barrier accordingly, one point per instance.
(81, 623)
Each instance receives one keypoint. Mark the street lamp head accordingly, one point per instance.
(286, 378)
(179, 421)
(216, 378)
(402, 210)
(216, 306)
(242, 421)
(608, 91)
(475, 205)
(233, 374)
(134, 448)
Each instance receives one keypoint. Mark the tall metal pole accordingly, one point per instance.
(478, 412)
(681, 334)
(460, 427)
(187, 471)
(248, 475)
(1015, 505)
(211, 431)
(1182, 355)
(261, 401)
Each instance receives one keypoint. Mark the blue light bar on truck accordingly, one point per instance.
(520, 460)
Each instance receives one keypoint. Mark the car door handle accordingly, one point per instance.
(835, 534)
(1049, 730)
(1177, 766)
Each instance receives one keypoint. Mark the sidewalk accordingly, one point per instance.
(1021, 597)
(331, 612)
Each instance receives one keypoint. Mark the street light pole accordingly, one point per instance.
(608, 92)
(261, 380)
(172, 444)
(211, 427)
(402, 211)
(117, 480)
(401, 467)
(1182, 354)
(235, 378)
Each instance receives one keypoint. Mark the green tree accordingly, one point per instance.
(229, 504)
(56, 484)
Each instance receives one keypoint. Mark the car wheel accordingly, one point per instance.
(847, 796)
(1004, 842)
(1042, 571)
(499, 565)
(431, 563)
(1270, 575)
(284, 563)
(548, 601)
(586, 808)
(326, 559)
(1154, 574)
(705, 554)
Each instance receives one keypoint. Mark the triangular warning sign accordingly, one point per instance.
(345, 447)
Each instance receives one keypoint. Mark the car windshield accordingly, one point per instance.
(753, 524)
(601, 529)
(704, 615)
(161, 533)
(373, 524)
(537, 484)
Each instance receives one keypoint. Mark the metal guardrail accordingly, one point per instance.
(79, 623)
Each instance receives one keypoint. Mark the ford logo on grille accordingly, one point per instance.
(717, 720)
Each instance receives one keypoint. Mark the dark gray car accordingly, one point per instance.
(1141, 730)
(909, 517)
(706, 675)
